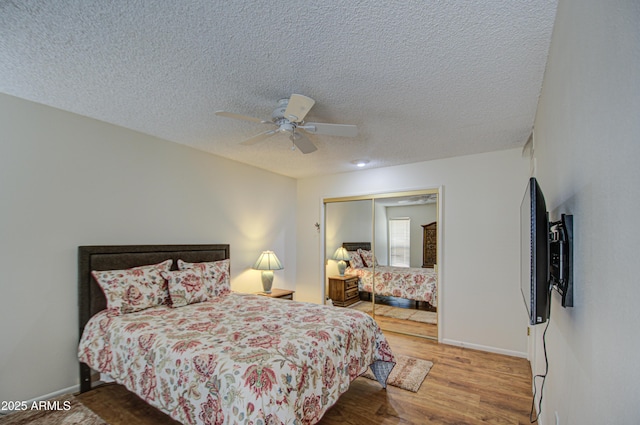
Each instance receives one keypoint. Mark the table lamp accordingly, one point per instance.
(342, 255)
(267, 262)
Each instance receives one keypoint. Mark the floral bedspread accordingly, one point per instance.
(417, 284)
(238, 359)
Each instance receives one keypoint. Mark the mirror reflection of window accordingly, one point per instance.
(400, 242)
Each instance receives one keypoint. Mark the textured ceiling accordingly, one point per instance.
(421, 80)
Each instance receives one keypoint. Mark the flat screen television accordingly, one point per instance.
(534, 253)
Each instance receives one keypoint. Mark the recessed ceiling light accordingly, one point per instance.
(360, 162)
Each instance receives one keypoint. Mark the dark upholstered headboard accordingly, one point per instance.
(354, 246)
(91, 299)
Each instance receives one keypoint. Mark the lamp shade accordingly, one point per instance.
(341, 254)
(268, 261)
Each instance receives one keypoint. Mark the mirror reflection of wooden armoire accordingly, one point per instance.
(429, 244)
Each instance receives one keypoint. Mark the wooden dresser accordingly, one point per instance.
(429, 244)
(343, 290)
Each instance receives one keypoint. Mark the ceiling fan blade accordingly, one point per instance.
(303, 143)
(342, 130)
(241, 117)
(259, 137)
(298, 107)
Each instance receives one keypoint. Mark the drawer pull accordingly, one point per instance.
(351, 293)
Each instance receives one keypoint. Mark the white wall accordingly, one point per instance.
(480, 293)
(347, 222)
(381, 234)
(587, 148)
(67, 180)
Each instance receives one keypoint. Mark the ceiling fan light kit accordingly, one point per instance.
(288, 117)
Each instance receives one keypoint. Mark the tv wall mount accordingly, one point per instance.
(561, 258)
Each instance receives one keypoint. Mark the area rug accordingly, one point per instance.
(408, 373)
(399, 313)
(63, 410)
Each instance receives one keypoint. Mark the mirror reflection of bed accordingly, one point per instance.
(405, 296)
(403, 228)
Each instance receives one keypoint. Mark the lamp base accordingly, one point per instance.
(342, 265)
(267, 281)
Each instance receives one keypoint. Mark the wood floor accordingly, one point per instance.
(463, 387)
(404, 326)
(389, 324)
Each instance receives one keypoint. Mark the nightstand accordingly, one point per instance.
(343, 290)
(279, 293)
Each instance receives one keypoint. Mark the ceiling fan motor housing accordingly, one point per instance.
(286, 126)
(278, 113)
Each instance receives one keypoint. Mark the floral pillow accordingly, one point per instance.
(215, 274)
(186, 287)
(134, 289)
(367, 257)
(356, 260)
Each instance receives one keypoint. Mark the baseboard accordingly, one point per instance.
(485, 348)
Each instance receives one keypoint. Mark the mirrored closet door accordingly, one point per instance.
(389, 243)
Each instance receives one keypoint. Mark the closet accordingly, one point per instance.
(372, 222)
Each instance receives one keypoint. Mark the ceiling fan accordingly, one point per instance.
(288, 118)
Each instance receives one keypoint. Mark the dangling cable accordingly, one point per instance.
(546, 365)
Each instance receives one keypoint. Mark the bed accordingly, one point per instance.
(416, 284)
(233, 358)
